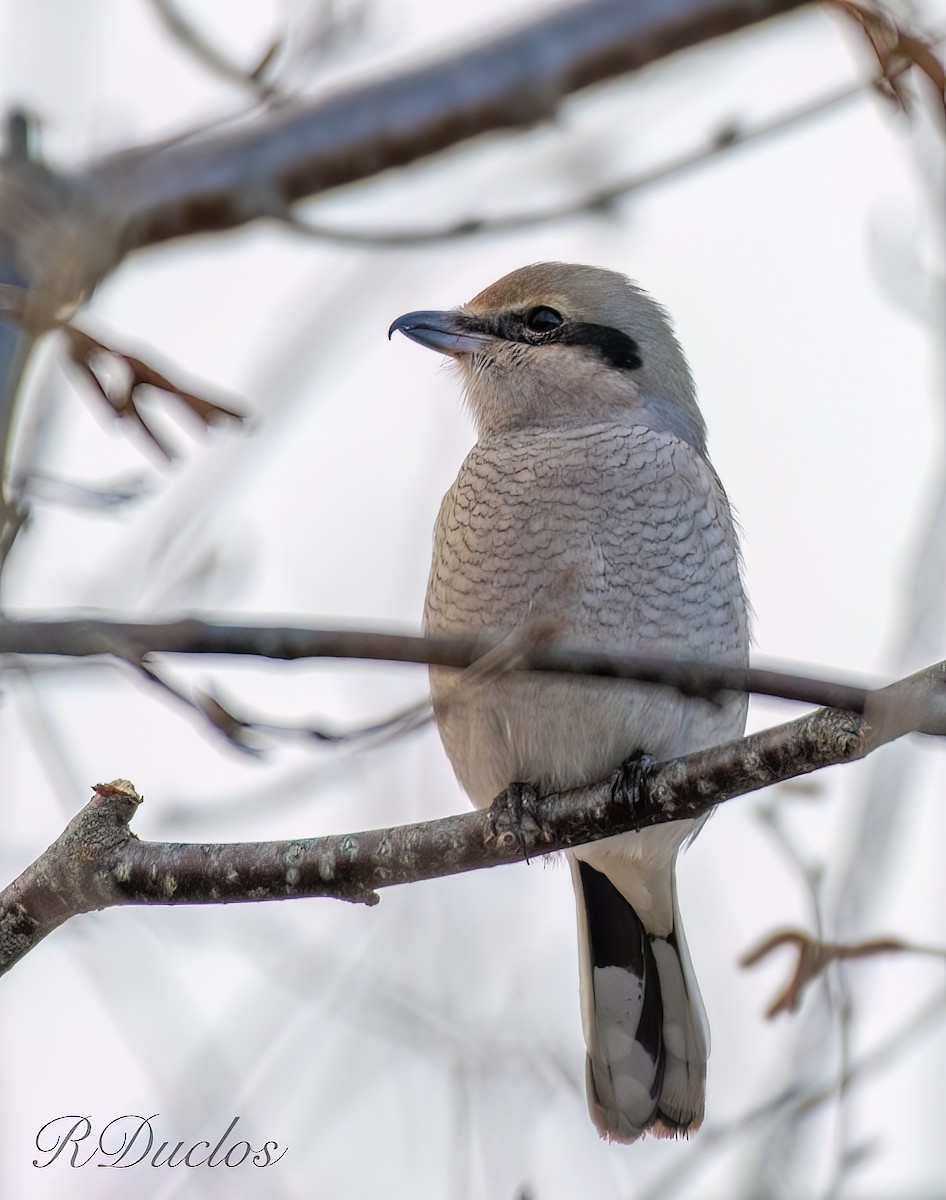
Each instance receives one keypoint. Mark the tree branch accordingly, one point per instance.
(219, 180)
(603, 199)
(98, 862)
(134, 641)
(62, 233)
(121, 395)
(814, 955)
(212, 59)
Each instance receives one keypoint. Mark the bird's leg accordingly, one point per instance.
(515, 813)
(627, 779)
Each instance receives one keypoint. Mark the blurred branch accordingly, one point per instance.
(405, 720)
(62, 233)
(134, 641)
(187, 34)
(115, 376)
(120, 392)
(247, 734)
(97, 862)
(17, 163)
(218, 181)
(324, 28)
(38, 485)
(771, 816)
(815, 955)
(601, 200)
(896, 50)
(17, 160)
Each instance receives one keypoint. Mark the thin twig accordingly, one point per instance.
(815, 955)
(97, 363)
(896, 51)
(189, 36)
(247, 733)
(122, 396)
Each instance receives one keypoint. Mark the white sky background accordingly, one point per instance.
(431, 1046)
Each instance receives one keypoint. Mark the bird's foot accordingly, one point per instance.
(514, 814)
(627, 779)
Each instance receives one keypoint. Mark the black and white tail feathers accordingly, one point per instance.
(645, 1028)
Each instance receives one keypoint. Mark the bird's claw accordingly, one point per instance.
(627, 779)
(514, 814)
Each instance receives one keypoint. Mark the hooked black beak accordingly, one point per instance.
(452, 333)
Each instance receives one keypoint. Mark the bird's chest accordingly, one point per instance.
(593, 537)
(612, 542)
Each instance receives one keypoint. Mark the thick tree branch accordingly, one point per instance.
(603, 199)
(509, 82)
(98, 862)
(88, 221)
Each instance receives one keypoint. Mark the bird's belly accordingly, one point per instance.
(563, 733)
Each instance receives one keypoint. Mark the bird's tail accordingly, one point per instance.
(645, 1028)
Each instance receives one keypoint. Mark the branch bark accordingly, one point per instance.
(98, 862)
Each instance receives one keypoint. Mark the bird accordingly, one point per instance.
(588, 509)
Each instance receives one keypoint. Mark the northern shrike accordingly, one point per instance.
(589, 506)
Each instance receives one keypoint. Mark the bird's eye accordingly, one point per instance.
(543, 319)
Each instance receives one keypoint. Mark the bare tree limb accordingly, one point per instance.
(731, 136)
(98, 862)
(62, 233)
(223, 179)
(134, 641)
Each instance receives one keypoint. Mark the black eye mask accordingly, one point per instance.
(537, 327)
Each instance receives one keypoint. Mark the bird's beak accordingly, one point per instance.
(453, 333)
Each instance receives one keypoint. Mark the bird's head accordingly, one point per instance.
(561, 346)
